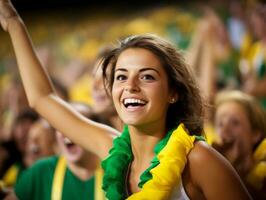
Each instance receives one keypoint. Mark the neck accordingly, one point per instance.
(116, 122)
(85, 168)
(143, 141)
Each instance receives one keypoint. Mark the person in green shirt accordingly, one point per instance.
(73, 175)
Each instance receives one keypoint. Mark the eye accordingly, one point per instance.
(120, 77)
(147, 77)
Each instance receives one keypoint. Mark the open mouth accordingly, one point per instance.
(131, 102)
(68, 143)
(34, 150)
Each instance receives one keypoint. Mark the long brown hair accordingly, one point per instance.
(189, 108)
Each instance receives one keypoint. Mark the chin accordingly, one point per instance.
(73, 158)
(133, 122)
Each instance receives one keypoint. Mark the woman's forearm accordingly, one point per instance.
(34, 76)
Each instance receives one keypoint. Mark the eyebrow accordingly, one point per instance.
(141, 70)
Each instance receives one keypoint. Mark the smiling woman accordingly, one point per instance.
(158, 155)
(138, 79)
(170, 75)
(240, 123)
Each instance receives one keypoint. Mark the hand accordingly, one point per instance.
(7, 12)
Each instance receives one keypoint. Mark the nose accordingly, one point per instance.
(132, 85)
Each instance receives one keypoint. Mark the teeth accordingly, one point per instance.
(67, 141)
(127, 101)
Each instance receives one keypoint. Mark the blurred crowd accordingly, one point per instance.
(224, 43)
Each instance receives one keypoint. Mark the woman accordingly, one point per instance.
(240, 123)
(153, 92)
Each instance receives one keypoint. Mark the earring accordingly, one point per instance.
(172, 100)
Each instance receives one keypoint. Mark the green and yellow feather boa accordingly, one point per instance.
(164, 173)
(257, 174)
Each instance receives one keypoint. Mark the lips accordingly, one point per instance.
(133, 102)
(34, 149)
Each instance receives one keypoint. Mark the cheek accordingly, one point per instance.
(161, 96)
(115, 100)
(116, 93)
(247, 137)
(243, 136)
(60, 143)
(245, 128)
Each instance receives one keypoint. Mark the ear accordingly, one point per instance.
(173, 98)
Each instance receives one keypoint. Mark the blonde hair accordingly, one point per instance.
(254, 111)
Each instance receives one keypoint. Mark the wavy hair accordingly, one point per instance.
(189, 107)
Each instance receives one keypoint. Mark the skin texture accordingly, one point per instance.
(145, 131)
(139, 75)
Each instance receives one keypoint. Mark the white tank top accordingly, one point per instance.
(179, 193)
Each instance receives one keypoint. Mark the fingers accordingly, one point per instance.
(6, 9)
(7, 12)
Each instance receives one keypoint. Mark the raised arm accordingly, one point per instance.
(40, 93)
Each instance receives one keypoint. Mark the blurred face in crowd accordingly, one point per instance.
(72, 152)
(41, 142)
(20, 134)
(102, 103)
(258, 25)
(236, 134)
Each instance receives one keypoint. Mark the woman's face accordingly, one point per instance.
(140, 90)
(237, 137)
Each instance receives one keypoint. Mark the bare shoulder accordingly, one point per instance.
(209, 161)
(202, 154)
(213, 174)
